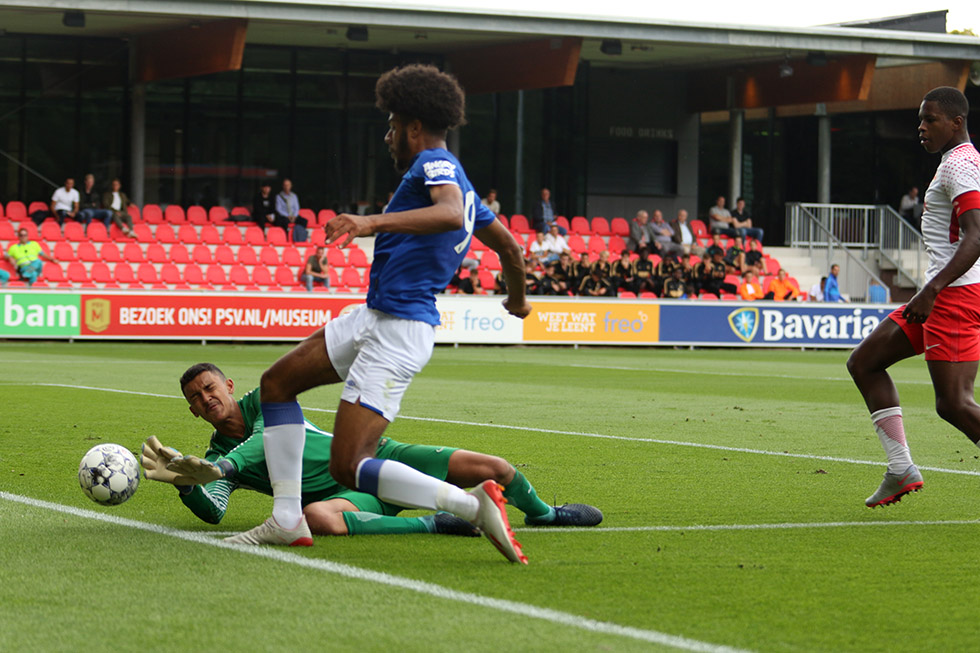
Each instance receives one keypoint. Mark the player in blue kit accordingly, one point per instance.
(376, 349)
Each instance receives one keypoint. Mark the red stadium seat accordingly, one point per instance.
(143, 233)
(7, 232)
(357, 257)
(155, 253)
(580, 226)
(562, 221)
(110, 253)
(216, 275)
(627, 294)
(147, 274)
(175, 215)
(486, 279)
(772, 265)
(241, 210)
(699, 229)
(246, 255)
(519, 223)
(32, 232)
(36, 206)
(77, 274)
(100, 273)
(351, 278)
(193, 275)
(86, 252)
(616, 244)
(170, 274)
(292, 258)
(620, 227)
(210, 235)
(197, 215)
(53, 273)
(187, 234)
(152, 214)
(335, 257)
(269, 256)
(325, 216)
(597, 244)
(16, 211)
(286, 277)
(261, 276)
(232, 235)
(63, 252)
(490, 260)
(276, 236)
(217, 214)
(116, 234)
(134, 213)
(165, 234)
(577, 244)
(238, 275)
(123, 273)
(709, 296)
(254, 235)
(202, 255)
(600, 226)
(132, 253)
(97, 232)
(224, 255)
(318, 238)
(178, 254)
(51, 232)
(309, 215)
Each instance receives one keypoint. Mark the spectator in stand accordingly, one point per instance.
(463, 281)
(712, 274)
(554, 243)
(543, 214)
(490, 201)
(287, 212)
(754, 258)
(595, 285)
(780, 288)
(580, 271)
(910, 207)
(742, 221)
(64, 203)
(720, 219)
(831, 292)
(264, 206)
(687, 274)
(532, 282)
(735, 257)
(641, 233)
(715, 246)
(643, 269)
(117, 203)
(316, 270)
(750, 289)
(25, 255)
(551, 282)
(684, 235)
(538, 251)
(499, 283)
(877, 293)
(90, 203)
(817, 290)
(663, 236)
(603, 265)
(622, 272)
(676, 287)
(565, 269)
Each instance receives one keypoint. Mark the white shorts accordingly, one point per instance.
(377, 355)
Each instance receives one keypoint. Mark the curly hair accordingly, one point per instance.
(951, 101)
(425, 93)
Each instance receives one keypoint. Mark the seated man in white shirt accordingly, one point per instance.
(555, 244)
(64, 202)
(684, 235)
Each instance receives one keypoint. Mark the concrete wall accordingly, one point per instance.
(634, 106)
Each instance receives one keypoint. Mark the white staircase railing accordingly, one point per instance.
(877, 228)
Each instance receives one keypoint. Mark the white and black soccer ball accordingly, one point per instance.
(109, 474)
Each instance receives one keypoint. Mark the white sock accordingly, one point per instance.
(283, 445)
(397, 483)
(891, 433)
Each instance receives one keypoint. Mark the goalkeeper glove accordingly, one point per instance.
(154, 458)
(192, 470)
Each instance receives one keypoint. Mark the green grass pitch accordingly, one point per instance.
(732, 484)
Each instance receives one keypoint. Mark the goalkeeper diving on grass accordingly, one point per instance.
(235, 460)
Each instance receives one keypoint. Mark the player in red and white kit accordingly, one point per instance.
(943, 319)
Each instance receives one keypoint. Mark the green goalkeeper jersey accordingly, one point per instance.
(210, 501)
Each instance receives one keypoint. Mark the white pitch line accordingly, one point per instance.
(584, 434)
(420, 587)
(763, 375)
(748, 527)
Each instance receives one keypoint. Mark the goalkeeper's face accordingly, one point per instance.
(211, 397)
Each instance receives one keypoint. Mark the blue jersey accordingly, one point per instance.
(408, 271)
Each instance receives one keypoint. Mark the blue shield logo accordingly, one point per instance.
(744, 322)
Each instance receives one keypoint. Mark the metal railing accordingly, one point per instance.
(815, 231)
(869, 228)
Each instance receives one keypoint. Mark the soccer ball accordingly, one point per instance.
(109, 474)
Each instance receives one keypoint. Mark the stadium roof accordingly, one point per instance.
(643, 43)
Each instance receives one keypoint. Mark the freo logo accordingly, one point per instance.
(744, 322)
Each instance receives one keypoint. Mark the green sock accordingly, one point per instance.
(367, 523)
(520, 493)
